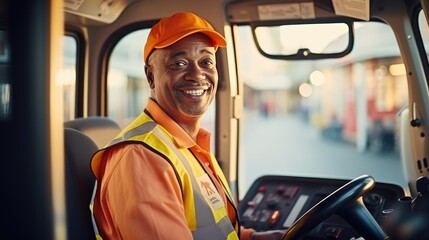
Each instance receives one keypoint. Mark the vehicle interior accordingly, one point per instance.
(319, 121)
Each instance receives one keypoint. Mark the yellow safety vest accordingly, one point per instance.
(205, 210)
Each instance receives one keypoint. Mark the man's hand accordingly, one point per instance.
(267, 235)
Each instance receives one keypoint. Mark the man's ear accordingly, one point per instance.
(149, 76)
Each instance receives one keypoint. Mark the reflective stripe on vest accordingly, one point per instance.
(204, 215)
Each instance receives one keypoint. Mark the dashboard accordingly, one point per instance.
(276, 202)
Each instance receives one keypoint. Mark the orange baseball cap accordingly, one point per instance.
(177, 26)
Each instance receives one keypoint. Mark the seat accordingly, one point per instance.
(82, 138)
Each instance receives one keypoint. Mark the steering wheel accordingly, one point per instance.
(348, 203)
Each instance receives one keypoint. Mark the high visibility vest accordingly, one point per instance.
(205, 211)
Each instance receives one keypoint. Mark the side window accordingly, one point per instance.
(5, 107)
(68, 77)
(127, 86)
(424, 31)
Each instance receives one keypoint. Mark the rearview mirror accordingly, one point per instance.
(304, 40)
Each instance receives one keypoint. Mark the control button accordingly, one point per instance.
(257, 199)
(249, 212)
(272, 201)
(274, 217)
(265, 216)
(281, 189)
(290, 192)
(332, 232)
(251, 203)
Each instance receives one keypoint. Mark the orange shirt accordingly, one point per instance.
(140, 196)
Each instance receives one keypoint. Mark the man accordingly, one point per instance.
(158, 179)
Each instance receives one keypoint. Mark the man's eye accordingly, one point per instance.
(208, 63)
(178, 64)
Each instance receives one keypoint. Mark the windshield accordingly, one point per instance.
(332, 118)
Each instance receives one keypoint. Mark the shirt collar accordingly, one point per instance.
(181, 138)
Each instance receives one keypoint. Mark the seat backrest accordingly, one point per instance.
(82, 138)
(79, 183)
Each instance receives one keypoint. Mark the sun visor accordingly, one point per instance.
(352, 8)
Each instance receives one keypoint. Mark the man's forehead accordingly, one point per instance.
(202, 51)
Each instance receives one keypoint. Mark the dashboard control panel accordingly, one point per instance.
(276, 202)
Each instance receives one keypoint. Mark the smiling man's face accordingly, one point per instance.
(183, 77)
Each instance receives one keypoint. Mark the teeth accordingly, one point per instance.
(194, 92)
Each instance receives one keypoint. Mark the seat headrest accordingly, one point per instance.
(100, 129)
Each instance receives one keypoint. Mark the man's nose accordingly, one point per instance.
(195, 72)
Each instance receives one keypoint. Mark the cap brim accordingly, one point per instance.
(216, 38)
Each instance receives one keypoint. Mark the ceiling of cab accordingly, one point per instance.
(105, 11)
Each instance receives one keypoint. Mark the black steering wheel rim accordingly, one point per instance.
(346, 202)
